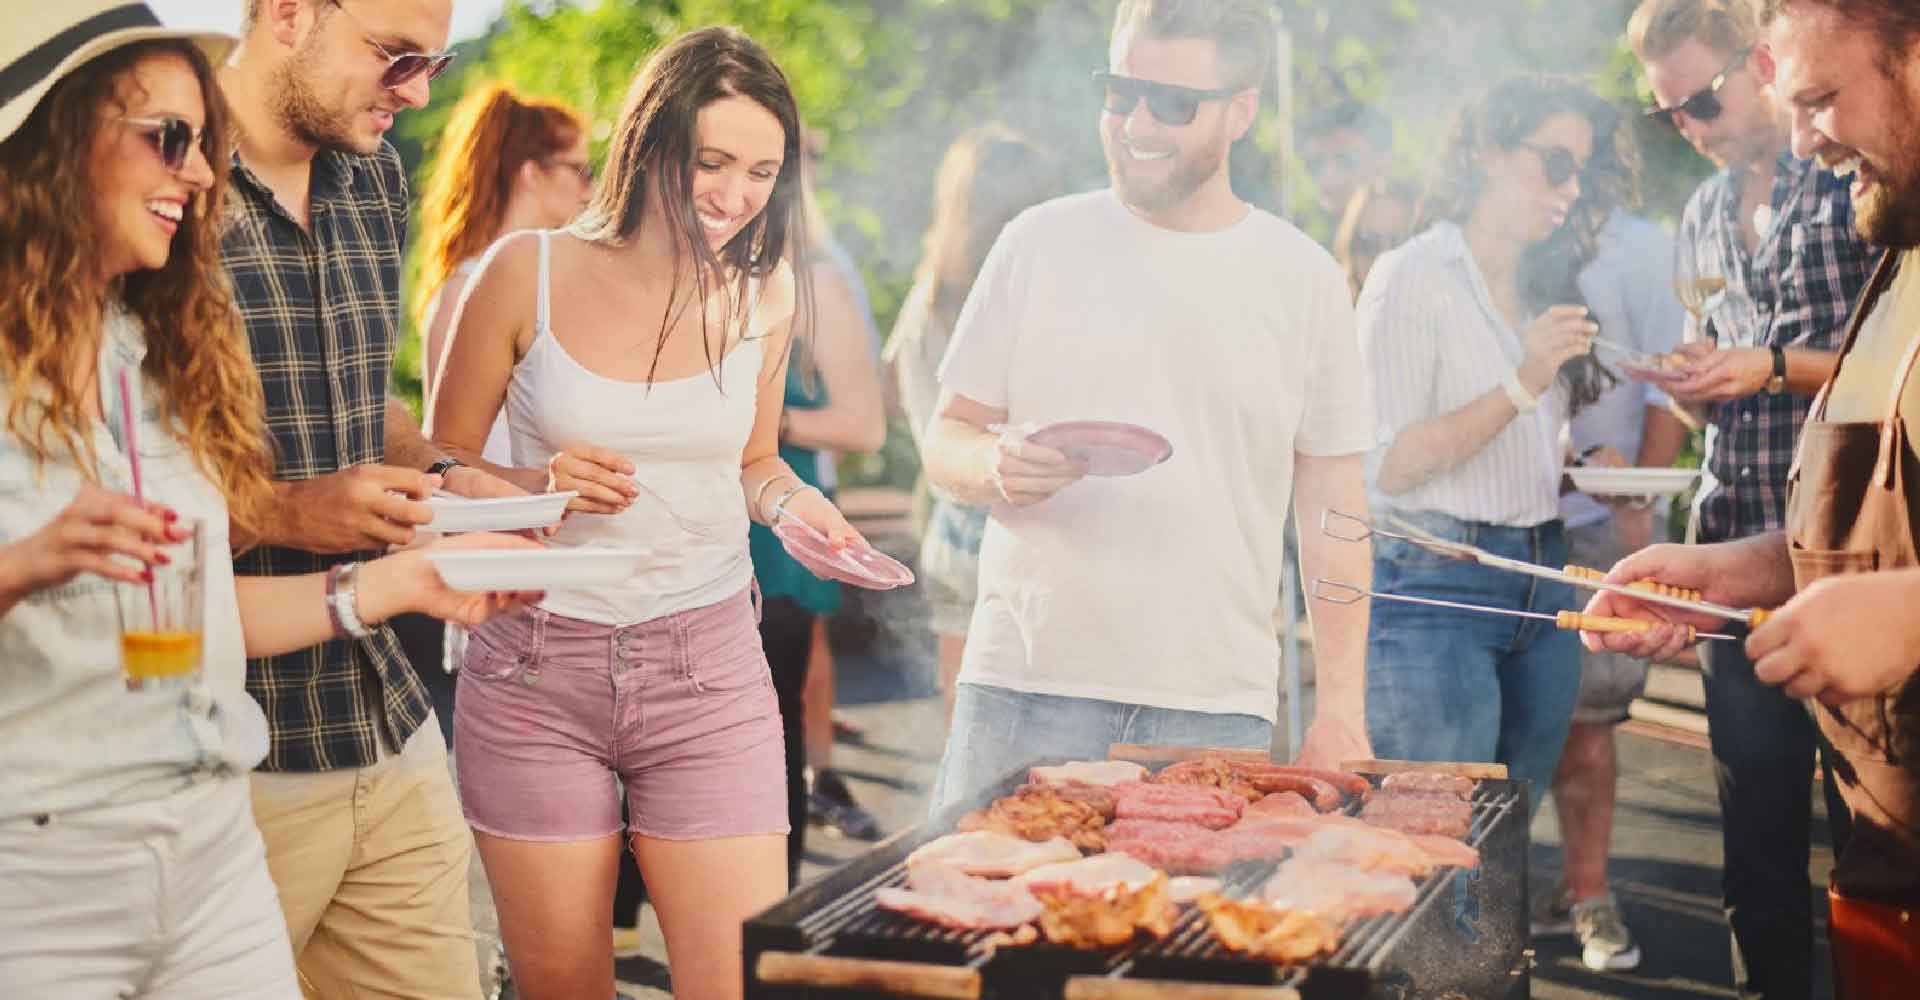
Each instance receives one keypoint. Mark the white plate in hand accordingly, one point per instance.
(543, 569)
(1630, 481)
(454, 513)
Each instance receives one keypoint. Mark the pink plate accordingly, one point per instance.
(856, 564)
(1107, 448)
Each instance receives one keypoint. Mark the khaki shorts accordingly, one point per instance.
(1609, 682)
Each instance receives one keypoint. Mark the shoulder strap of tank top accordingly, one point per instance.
(541, 310)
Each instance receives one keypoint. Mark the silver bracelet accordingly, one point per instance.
(780, 505)
(760, 494)
(343, 599)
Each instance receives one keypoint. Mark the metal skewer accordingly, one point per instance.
(1335, 525)
(1572, 621)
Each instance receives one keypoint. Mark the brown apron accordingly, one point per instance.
(1855, 508)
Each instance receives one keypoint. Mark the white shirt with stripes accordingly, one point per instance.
(1435, 342)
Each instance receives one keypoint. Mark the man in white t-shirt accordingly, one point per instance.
(1140, 609)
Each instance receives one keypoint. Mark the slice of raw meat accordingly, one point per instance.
(943, 895)
(1420, 812)
(991, 854)
(1421, 781)
(1447, 851)
(1089, 876)
(1280, 804)
(1209, 807)
(1336, 891)
(1368, 849)
(1088, 772)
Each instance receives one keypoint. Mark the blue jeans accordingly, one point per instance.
(996, 730)
(1444, 684)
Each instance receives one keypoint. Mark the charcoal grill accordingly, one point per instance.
(1464, 937)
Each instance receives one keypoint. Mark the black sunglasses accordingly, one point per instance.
(1558, 164)
(172, 138)
(1169, 104)
(1703, 105)
(402, 66)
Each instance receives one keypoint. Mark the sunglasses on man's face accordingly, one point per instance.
(402, 67)
(1169, 104)
(1704, 104)
(1558, 164)
(172, 137)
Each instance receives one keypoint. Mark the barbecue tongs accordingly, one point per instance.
(1348, 528)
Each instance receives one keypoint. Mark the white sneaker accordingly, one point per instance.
(1605, 944)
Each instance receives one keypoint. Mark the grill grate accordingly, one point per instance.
(837, 916)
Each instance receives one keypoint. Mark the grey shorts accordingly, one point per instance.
(1609, 682)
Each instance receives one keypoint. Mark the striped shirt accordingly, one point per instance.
(1795, 289)
(1435, 342)
(322, 311)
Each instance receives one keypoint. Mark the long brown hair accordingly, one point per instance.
(653, 149)
(989, 175)
(1549, 271)
(196, 351)
(492, 133)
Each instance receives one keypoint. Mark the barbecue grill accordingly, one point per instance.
(1464, 937)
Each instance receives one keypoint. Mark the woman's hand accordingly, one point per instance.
(1554, 338)
(87, 535)
(603, 478)
(812, 508)
(407, 581)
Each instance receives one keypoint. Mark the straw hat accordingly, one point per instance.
(41, 41)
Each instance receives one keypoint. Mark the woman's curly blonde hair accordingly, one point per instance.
(196, 350)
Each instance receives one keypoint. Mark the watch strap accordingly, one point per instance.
(440, 467)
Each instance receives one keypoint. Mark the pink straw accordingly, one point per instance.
(127, 423)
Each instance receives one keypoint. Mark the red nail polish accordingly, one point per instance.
(163, 559)
(171, 517)
(146, 576)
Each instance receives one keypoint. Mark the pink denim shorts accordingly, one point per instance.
(555, 715)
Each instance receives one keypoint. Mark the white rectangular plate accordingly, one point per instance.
(544, 569)
(1631, 482)
(452, 513)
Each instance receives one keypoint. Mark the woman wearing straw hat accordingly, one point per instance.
(128, 853)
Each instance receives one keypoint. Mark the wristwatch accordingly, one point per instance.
(1778, 383)
(440, 468)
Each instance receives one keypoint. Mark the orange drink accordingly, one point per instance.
(161, 621)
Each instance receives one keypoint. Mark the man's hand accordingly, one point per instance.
(1843, 638)
(1710, 569)
(1716, 375)
(1335, 737)
(1025, 473)
(475, 484)
(366, 507)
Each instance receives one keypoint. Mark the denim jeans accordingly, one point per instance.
(996, 730)
(1763, 753)
(1445, 684)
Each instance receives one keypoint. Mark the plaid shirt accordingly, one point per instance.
(322, 312)
(1795, 289)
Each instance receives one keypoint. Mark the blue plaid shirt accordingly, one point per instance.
(1795, 289)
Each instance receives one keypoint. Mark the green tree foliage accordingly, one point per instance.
(892, 82)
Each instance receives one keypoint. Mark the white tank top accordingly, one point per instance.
(685, 438)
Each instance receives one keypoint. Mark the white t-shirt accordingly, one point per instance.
(1237, 345)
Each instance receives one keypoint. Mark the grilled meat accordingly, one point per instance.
(1108, 919)
(1208, 807)
(991, 854)
(1279, 935)
(1420, 812)
(1433, 784)
(1041, 814)
(1337, 892)
(1089, 876)
(940, 894)
(1100, 797)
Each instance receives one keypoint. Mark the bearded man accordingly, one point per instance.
(364, 836)
(1844, 572)
(1140, 609)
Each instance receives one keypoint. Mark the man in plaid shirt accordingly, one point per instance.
(364, 835)
(1778, 231)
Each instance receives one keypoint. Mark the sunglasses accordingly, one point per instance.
(402, 67)
(1703, 105)
(172, 138)
(1558, 164)
(1169, 104)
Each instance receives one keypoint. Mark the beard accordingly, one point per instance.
(298, 108)
(1888, 214)
(1190, 172)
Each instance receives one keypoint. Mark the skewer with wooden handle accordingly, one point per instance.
(907, 979)
(1650, 586)
(1346, 593)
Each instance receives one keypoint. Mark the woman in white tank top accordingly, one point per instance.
(641, 358)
